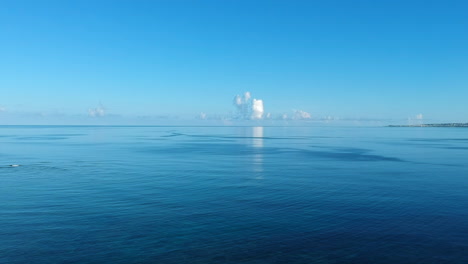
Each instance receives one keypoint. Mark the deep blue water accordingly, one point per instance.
(233, 195)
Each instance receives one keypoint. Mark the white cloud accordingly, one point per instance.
(2, 109)
(415, 120)
(97, 112)
(247, 96)
(295, 115)
(257, 109)
(238, 100)
(202, 116)
(248, 108)
(301, 115)
(329, 118)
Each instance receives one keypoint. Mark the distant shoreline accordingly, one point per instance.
(434, 125)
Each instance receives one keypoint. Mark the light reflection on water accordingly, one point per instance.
(257, 142)
(191, 195)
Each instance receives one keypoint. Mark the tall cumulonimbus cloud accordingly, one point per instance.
(248, 108)
(257, 109)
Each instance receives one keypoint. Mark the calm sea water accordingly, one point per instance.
(233, 195)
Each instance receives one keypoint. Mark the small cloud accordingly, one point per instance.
(3, 109)
(295, 115)
(97, 112)
(329, 118)
(247, 96)
(301, 115)
(202, 116)
(416, 120)
(283, 117)
(242, 104)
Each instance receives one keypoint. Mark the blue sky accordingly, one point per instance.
(61, 61)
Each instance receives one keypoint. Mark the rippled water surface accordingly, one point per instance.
(233, 195)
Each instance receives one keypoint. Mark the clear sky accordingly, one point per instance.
(81, 61)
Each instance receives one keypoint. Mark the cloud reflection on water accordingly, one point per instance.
(257, 161)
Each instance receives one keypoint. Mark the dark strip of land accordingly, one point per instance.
(434, 125)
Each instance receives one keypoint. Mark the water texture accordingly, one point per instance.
(85, 194)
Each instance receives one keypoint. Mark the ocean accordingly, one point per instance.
(118, 194)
